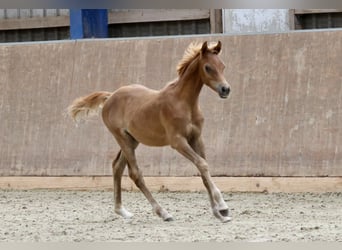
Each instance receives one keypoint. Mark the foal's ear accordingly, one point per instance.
(204, 48)
(217, 48)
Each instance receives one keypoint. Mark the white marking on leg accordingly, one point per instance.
(123, 212)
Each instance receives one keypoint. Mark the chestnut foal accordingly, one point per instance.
(171, 116)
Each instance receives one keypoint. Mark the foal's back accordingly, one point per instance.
(136, 110)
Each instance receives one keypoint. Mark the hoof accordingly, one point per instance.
(169, 219)
(222, 215)
(124, 213)
(224, 212)
(226, 219)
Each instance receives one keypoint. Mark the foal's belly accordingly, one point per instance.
(148, 136)
(146, 128)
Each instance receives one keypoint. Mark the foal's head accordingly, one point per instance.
(211, 69)
(210, 66)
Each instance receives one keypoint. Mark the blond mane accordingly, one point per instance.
(191, 54)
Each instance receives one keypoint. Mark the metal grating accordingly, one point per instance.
(160, 28)
(27, 35)
(35, 34)
(114, 30)
(319, 20)
(42, 32)
(29, 13)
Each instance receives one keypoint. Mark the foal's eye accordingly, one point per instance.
(208, 69)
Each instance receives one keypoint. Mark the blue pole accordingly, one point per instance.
(76, 25)
(88, 23)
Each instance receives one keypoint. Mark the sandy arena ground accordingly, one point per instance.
(81, 216)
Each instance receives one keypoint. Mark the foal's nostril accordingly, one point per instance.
(225, 90)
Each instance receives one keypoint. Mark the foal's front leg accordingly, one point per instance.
(195, 153)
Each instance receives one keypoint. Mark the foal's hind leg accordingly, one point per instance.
(128, 145)
(119, 165)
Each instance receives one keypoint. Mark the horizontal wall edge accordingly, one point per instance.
(179, 184)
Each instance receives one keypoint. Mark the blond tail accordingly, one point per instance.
(89, 105)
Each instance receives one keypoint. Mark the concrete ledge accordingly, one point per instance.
(181, 184)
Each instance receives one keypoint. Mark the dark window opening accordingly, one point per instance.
(318, 20)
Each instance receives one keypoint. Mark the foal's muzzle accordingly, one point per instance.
(223, 90)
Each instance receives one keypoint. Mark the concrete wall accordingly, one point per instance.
(255, 20)
(283, 117)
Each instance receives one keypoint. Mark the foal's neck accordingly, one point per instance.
(189, 84)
